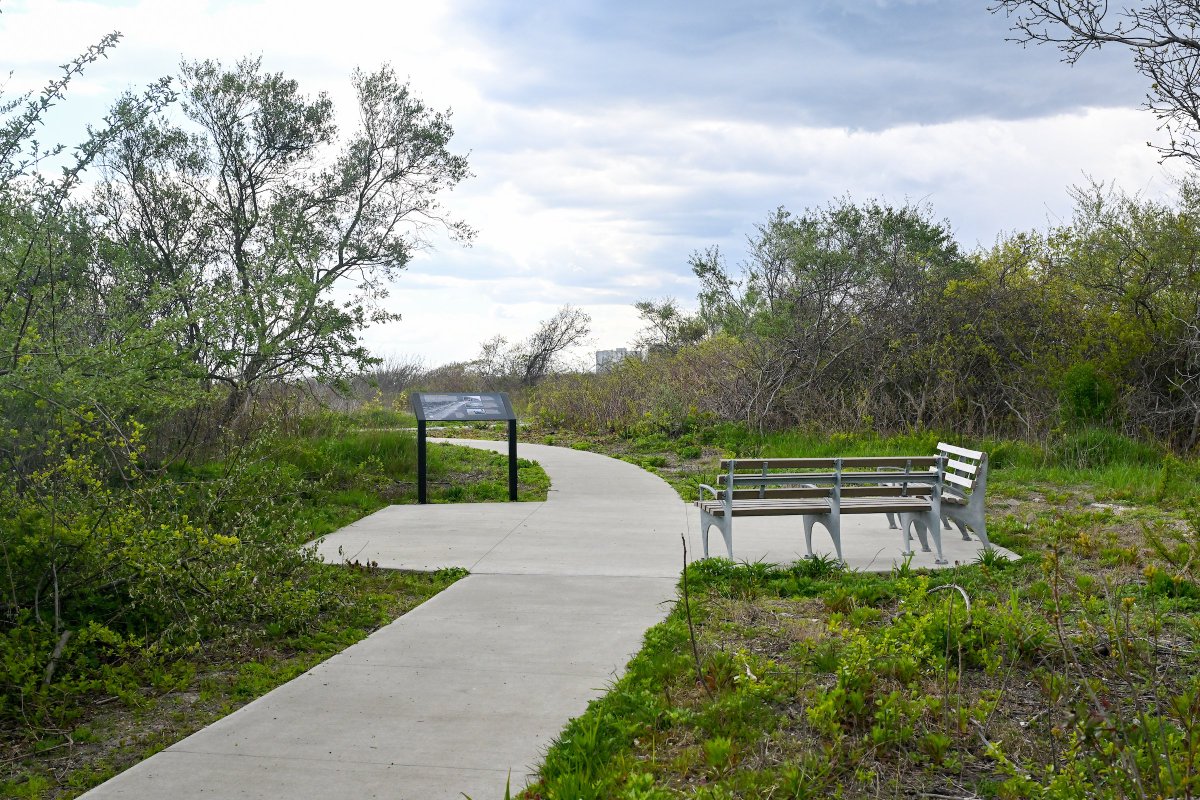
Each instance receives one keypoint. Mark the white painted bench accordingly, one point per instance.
(924, 491)
(964, 487)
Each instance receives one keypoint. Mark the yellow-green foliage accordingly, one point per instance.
(661, 393)
(869, 316)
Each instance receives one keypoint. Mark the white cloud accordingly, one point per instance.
(597, 202)
(633, 241)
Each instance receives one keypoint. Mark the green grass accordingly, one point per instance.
(368, 417)
(135, 685)
(347, 476)
(183, 696)
(814, 682)
(387, 462)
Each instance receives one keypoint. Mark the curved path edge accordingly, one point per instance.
(467, 690)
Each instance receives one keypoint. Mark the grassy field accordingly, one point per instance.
(155, 703)
(126, 697)
(1071, 673)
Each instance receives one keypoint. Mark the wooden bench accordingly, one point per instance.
(923, 491)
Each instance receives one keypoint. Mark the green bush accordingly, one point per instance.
(1087, 396)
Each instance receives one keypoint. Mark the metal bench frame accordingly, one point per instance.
(962, 503)
(952, 489)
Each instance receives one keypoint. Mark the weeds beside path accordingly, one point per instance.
(157, 704)
(1071, 674)
(210, 598)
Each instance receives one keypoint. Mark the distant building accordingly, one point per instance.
(606, 358)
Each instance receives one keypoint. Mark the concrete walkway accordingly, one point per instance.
(470, 687)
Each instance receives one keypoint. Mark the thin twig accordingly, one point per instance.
(687, 608)
(961, 591)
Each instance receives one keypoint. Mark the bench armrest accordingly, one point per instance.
(716, 493)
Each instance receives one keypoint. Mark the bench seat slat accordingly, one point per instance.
(775, 508)
(849, 505)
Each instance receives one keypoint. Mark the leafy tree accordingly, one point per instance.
(70, 343)
(268, 237)
(826, 297)
(1136, 264)
(668, 327)
(502, 364)
(1162, 36)
(208, 254)
(35, 218)
(81, 369)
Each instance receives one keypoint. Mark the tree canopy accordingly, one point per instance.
(268, 238)
(1161, 35)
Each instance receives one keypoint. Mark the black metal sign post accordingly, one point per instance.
(422, 465)
(512, 461)
(463, 408)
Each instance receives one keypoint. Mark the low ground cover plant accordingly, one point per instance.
(142, 603)
(1070, 673)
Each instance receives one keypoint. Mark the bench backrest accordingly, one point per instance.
(766, 465)
(964, 471)
(960, 471)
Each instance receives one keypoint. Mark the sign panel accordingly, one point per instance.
(461, 407)
(430, 407)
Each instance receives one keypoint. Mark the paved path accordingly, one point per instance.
(471, 686)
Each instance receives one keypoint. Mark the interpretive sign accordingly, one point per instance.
(462, 407)
(473, 407)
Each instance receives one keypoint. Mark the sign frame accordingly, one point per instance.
(462, 407)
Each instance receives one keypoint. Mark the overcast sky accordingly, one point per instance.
(610, 140)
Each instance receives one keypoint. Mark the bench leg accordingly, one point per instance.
(981, 532)
(907, 523)
(832, 523)
(723, 524)
(892, 521)
(932, 523)
(925, 523)
(976, 523)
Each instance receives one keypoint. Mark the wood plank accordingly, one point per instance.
(778, 463)
(822, 478)
(770, 510)
(920, 490)
(764, 508)
(892, 509)
(917, 490)
(872, 462)
(960, 466)
(960, 480)
(974, 455)
(781, 494)
(788, 503)
(850, 462)
(801, 503)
